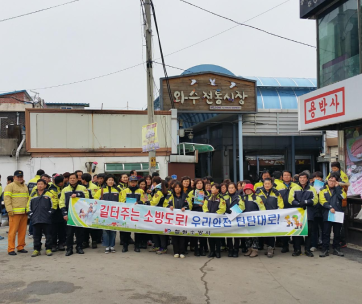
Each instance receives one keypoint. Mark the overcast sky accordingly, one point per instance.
(90, 38)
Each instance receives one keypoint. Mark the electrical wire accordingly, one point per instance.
(250, 26)
(38, 11)
(162, 57)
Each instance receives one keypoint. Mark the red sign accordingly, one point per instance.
(324, 106)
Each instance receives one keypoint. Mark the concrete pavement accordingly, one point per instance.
(148, 278)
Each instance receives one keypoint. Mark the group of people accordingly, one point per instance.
(45, 200)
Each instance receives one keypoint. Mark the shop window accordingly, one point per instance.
(338, 43)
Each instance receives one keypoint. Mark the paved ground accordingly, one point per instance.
(147, 278)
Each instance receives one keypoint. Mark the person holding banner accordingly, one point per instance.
(196, 200)
(109, 193)
(73, 191)
(214, 204)
(330, 197)
(132, 194)
(272, 200)
(252, 203)
(178, 201)
(303, 195)
(160, 198)
(234, 199)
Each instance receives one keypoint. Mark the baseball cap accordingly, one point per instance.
(133, 178)
(18, 173)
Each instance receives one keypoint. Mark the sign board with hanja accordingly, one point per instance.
(99, 214)
(209, 92)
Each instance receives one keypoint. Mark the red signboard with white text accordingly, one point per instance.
(324, 106)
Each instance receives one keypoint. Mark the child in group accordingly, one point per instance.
(214, 204)
(178, 201)
(252, 203)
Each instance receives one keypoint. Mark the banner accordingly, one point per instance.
(107, 215)
(149, 138)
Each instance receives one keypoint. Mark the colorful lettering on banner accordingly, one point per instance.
(325, 106)
(157, 220)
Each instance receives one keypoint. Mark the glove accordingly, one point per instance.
(228, 211)
(10, 213)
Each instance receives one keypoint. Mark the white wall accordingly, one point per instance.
(63, 164)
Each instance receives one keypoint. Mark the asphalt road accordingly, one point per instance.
(148, 278)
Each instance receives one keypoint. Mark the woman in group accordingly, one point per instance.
(123, 182)
(199, 244)
(108, 193)
(234, 199)
(214, 204)
(186, 184)
(178, 201)
(208, 187)
(192, 184)
(144, 238)
(252, 203)
(160, 198)
(272, 200)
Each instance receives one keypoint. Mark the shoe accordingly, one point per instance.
(154, 249)
(79, 250)
(309, 254)
(218, 255)
(137, 249)
(285, 250)
(254, 253)
(235, 253)
(125, 248)
(244, 250)
(113, 250)
(69, 252)
(202, 252)
(22, 251)
(12, 253)
(196, 252)
(338, 252)
(324, 254)
(61, 247)
(161, 251)
(176, 255)
(85, 245)
(1, 237)
(107, 250)
(182, 256)
(30, 236)
(313, 249)
(48, 252)
(54, 249)
(211, 254)
(248, 253)
(35, 253)
(94, 244)
(296, 253)
(230, 255)
(270, 252)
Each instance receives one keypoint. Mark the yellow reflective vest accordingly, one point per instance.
(16, 197)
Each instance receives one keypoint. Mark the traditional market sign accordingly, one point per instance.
(209, 92)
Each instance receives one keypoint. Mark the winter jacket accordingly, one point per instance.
(214, 205)
(92, 189)
(111, 194)
(132, 192)
(258, 185)
(32, 183)
(57, 215)
(331, 198)
(271, 199)
(191, 199)
(234, 199)
(160, 200)
(178, 202)
(284, 190)
(121, 186)
(252, 202)
(67, 192)
(343, 176)
(42, 207)
(225, 196)
(16, 197)
(304, 198)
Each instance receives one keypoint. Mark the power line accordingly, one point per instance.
(38, 11)
(250, 26)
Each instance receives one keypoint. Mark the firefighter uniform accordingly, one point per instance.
(16, 196)
(64, 201)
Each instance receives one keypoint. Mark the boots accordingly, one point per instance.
(79, 250)
(248, 253)
(235, 253)
(218, 254)
(270, 253)
(69, 252)
(254, 253)
(211, 254)
(125, 248)
(230, 255)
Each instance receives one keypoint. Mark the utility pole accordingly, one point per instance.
(150, 107)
